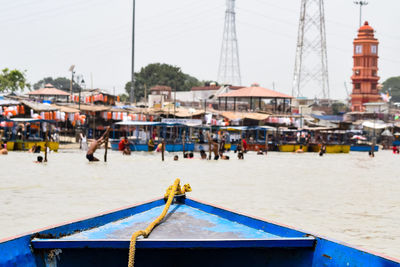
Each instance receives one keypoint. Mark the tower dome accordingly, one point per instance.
(365, 31)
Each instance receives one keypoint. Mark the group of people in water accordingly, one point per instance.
(218, 149)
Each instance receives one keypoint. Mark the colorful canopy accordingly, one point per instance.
(255, 91)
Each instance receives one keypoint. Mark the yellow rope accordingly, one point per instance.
(145, 233)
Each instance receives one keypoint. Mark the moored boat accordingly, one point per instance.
(339, 148)
(363, 148)
(144, 147)
(24, 133)
(193, 233)
(26, 145)
(175, 135)
(10, 145)
(292, 147)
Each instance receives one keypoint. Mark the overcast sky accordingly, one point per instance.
(46, 37)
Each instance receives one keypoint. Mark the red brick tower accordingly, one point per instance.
(365, 69)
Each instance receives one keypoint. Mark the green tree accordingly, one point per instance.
(59, 83)
(392, 85)
(161, 74)
(12, 80)
(123, 97)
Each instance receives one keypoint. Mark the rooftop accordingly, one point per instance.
(161, 88)
(49, 90)
(214, 87)
(255, 91)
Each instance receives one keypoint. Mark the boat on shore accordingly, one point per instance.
(193, 233)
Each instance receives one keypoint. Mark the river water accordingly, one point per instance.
(347, 197)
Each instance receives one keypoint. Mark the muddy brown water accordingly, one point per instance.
(346, 197)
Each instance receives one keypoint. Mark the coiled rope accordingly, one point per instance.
(145, 233)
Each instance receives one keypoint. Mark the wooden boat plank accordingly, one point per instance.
(182, 222)
(176, 243)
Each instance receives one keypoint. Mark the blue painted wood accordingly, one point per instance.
(327, 252)
(191, 222)
(248, 221)
(179, 147)
(71, 228)
(17, 252)
(144, 147)
(235, 257)
(335, 254)
(240, 243)
(139, 147)
(363, 148)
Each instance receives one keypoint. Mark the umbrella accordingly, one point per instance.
(359, 137)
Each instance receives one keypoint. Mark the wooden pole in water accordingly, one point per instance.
(106, 147)
(209, 145)
(46, 138)
(183, 142)
(162, 149)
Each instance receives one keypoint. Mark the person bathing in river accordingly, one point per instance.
(124, 146)
(323, 150)
(151, 145)
(35, 149)
(83, 141)
(97, 143)
(127, 150)
(215, 149)
(214, 146)
(39, 159)
(3, 149)
(223, 157)
(203, 154)
(244, 145)
(300, 150)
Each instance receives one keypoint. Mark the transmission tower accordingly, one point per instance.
(229, 68)
(311, 65)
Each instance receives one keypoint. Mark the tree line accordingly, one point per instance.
(148, 76)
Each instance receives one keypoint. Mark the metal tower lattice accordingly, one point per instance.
(311, 65)
(229, 68)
